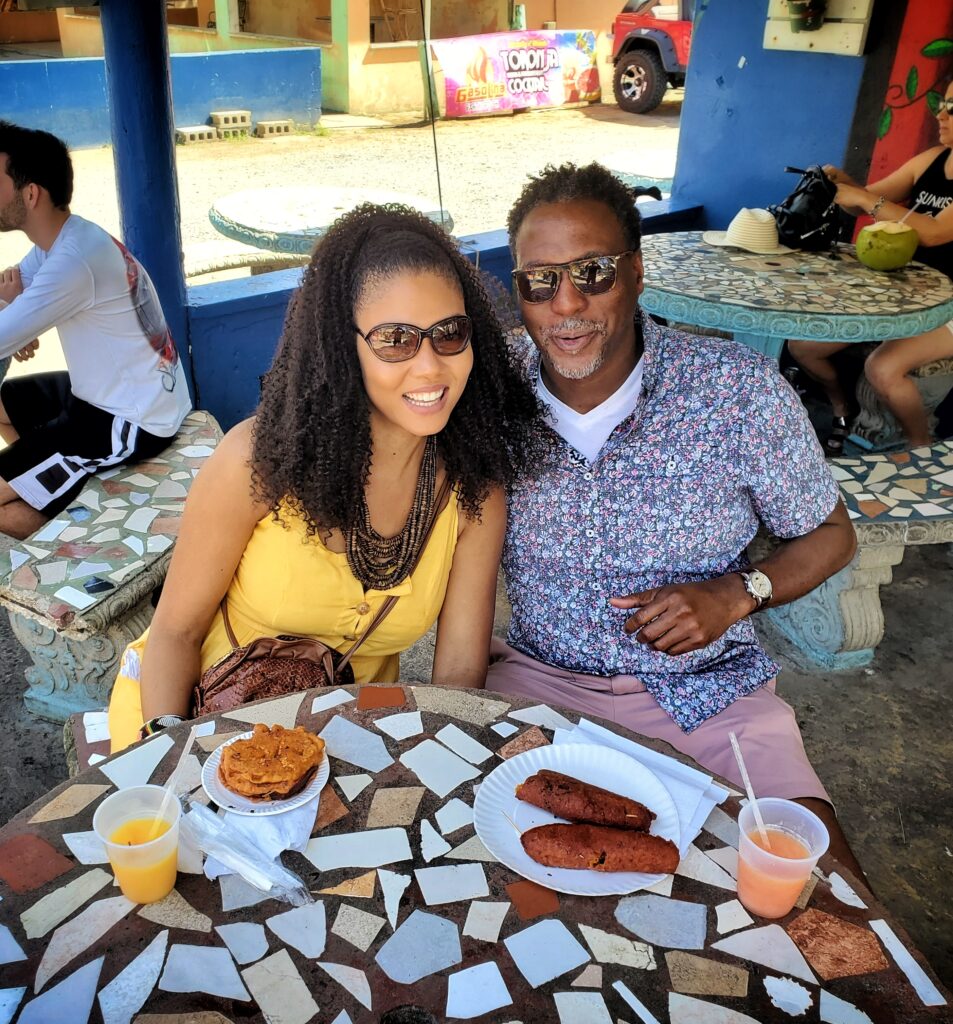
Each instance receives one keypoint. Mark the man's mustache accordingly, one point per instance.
(572, 324)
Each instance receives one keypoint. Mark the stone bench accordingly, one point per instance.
(875, 426)
(81, 587)
(893, 500)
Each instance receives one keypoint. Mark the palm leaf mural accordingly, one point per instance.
(906, 95)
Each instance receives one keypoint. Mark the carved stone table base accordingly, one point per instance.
(839, 625)
(75, 673)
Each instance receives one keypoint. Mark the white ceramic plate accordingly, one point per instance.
(601, 766)
(258, 808)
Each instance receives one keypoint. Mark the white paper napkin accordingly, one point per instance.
(272, 833)
(693, 792)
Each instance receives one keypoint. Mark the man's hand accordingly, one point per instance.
(10, 284)
(27, 352)
(685, 617)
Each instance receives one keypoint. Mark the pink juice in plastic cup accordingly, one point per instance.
(770, 878)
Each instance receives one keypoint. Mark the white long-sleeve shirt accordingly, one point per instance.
(119, 353)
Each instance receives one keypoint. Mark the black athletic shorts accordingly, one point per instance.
(63, 440)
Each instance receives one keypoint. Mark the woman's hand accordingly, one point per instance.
(837, 176)
(853, 197)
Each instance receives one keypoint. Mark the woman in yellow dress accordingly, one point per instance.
(391, 376)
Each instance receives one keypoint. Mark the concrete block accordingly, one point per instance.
(195, 133)
(266, 128)
(231, 119)
(232, 133)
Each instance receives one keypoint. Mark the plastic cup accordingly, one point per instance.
(769, 883)
(145, 867)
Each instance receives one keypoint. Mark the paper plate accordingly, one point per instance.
(230, 801)
(601, 766)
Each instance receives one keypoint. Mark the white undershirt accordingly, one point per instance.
(587, 432)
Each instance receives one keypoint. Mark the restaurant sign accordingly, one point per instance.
(514, 70)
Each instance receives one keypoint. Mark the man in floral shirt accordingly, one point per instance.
(625, 556)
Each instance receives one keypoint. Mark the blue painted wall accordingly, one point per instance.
(741, 126)
(65, 97)
(271, 83)
(68, 97)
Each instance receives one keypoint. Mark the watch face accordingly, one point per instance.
(760, 584)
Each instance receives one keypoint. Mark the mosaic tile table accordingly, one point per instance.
(465, 939)
(763, 300)
(80, 588)
(291, 218)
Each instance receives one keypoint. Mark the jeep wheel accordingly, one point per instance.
(639, 82)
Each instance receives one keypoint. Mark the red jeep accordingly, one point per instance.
(650, 52)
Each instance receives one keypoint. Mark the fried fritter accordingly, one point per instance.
(573, 800)
(272, 764)
(600, 849)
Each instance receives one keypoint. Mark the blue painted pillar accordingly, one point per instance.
(138, 80)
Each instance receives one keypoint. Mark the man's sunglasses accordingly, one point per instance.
(592, 275)
(396, 342)
(946, 105)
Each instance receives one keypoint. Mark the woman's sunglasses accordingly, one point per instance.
(591, 275)
(396, 342)
(946, 105)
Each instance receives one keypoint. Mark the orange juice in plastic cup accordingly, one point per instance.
(770, 880)
(141, 834)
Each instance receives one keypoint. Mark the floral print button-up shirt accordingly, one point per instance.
(717, 442)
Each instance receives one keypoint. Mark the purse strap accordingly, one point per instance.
(385, 608)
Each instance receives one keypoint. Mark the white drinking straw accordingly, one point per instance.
(169, 794)
(759, 821)
(907, 214)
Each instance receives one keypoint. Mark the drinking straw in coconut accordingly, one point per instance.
(907, 214)
(759, 821)
(169, 794)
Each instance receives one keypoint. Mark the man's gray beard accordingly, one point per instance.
(579, 372)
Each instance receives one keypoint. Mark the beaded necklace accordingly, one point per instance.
(383, 562)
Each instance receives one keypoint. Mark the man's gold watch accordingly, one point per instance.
(758, 586)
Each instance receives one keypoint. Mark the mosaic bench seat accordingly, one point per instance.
(893, 500)
(79, 589)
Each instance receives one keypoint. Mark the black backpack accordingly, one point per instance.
(809, 217)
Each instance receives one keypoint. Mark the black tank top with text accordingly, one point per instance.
(932, 193)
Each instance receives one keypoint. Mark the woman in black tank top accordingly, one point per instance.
(922, 192)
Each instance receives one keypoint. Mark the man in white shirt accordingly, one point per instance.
(124, 394)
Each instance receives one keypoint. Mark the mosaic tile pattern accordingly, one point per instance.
(459, 938)
(74, 565)
(900, 487)
(799, 295)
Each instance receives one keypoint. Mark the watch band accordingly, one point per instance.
(159, 723)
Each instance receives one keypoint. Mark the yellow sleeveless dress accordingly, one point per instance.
(287, 582)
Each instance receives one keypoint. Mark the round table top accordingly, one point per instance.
(804, 295)
(290, 218)
(474, 939)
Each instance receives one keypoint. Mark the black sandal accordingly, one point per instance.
(834, 445)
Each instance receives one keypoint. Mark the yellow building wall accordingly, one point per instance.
(81, 35)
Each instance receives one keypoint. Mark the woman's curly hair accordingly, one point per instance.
(312, 434)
